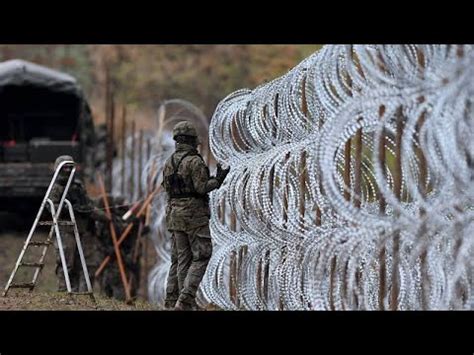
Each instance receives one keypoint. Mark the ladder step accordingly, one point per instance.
(25, 285)
(32, 264)
(61, 223)
(38, 244)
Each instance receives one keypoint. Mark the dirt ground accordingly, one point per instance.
(55, 301)
(10, 247)
(44, 296)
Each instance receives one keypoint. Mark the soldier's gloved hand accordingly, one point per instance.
(221, 173)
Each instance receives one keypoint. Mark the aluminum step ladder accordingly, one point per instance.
(54, 223)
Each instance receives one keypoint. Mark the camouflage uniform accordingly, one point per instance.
(67, 234)
(172, 286)
(187, 218)
(85, 215)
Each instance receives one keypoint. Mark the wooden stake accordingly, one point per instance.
(285, 215)
(382, 258)
(358, 168)
(347, 170)
(397, 182)
(208, 154)
(148, 149)
(112, 142)
(132, 165)
(140, 163)
(302, 188)
(423, 188)
(235, 264)
(397, 185)
(124, 148)
(108, 159)
(320, 184)
(266, 269)
(303, 167)
(285, 196)
(382, 159)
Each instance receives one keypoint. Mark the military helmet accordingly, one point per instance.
(184, 128)
(62, 158)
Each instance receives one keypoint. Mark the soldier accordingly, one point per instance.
(86, 216)
(187, 183)
(67, 234)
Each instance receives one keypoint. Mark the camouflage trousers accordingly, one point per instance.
(190, 254)
(73, 261)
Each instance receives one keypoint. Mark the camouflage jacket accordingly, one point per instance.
(83, 207)
(188, 213)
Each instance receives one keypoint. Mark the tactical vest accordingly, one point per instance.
(177, 184)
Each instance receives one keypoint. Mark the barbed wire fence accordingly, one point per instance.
(350, 184)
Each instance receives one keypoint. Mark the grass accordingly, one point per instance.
(44, 296)
(58, 301)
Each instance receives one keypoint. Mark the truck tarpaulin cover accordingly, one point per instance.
(40, 102)
(18, 72)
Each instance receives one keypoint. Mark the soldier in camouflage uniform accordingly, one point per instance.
(187, 183)
(67, 234)
(86, 216)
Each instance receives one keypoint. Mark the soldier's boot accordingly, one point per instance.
(186, 306)
(172, 293)
(172, 287)
(170, 304)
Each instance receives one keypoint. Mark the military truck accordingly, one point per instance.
(43, 114)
